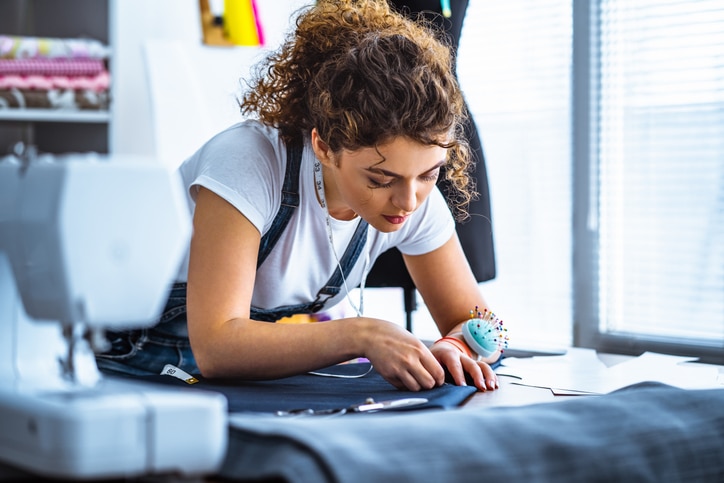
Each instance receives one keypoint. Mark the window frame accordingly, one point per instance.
(585, 288)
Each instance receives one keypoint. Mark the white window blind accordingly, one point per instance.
(659, 168)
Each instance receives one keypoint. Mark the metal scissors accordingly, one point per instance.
(369, 405)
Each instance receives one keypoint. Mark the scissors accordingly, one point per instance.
(369, 405)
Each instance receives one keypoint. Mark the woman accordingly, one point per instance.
(352, 120)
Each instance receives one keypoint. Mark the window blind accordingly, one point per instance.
(659, 169)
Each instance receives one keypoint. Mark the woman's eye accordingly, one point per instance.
(379, 184)
(431, 176)
(388, 182)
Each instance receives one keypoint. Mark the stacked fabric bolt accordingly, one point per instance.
(53, 73)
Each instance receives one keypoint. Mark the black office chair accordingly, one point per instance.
(476, 233)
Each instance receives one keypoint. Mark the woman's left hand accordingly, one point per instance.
(459, 364)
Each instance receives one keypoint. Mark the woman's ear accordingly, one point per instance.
(322, 150)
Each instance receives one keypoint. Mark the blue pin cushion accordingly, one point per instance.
(483, 336)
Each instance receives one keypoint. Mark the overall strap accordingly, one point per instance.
(330, 289)
(290, 199)
(347, 262)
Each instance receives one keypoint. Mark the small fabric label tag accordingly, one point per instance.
(171, 370)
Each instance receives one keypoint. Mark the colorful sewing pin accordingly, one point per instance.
(446, 10)
(484, 333)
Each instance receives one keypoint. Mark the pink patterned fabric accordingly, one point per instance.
(53, 73)
(60, 66)
(97, 83)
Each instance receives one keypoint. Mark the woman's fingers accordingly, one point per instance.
(417, 377)
(463, 369)
(482, 374)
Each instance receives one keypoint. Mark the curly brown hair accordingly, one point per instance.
(363, 74)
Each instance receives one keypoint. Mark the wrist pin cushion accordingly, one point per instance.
(484, 333)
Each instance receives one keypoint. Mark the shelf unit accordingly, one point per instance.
(51, 130)
(54, 115)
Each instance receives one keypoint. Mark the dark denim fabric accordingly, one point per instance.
(146, 351)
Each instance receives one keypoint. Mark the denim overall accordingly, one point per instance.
(147, 351)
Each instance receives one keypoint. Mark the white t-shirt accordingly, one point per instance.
(245, 165)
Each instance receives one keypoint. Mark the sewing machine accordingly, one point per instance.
(89, 243)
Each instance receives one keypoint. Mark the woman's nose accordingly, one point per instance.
(405, 198)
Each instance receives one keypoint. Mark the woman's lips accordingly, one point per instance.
(395, 220)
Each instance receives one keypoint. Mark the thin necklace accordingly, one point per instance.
(319, 184)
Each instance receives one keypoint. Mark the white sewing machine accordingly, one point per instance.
(86, 244)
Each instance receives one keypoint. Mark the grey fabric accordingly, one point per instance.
(647, 432)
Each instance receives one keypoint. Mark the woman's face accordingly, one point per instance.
(383, 185)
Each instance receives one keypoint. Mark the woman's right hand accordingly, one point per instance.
(398, 356)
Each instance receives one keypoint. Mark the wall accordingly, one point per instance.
(199, 97)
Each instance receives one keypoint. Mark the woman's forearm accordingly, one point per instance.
(261, 350)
